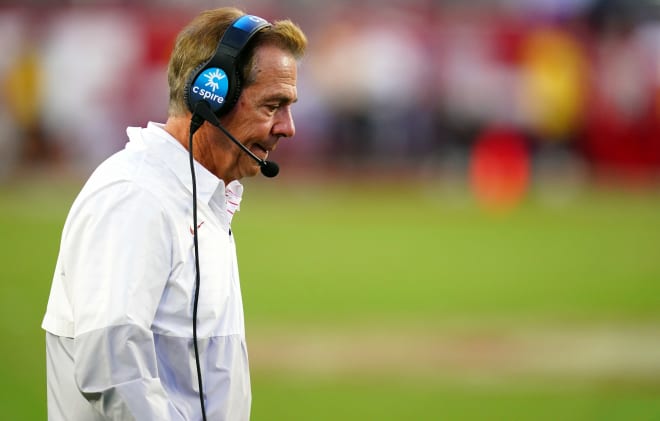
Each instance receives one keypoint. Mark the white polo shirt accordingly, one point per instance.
(121, 302)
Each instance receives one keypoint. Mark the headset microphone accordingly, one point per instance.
(268, 168)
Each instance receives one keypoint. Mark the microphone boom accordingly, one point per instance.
(268, 168)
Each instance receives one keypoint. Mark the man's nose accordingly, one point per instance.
(284, 125)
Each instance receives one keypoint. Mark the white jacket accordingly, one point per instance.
(119, 316)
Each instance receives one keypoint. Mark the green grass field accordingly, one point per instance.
(452, 285)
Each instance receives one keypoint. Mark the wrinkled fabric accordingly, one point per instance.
(119, 316)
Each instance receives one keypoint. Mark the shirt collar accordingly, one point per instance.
(167, 149)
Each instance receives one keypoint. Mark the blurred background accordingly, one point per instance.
(466, 225)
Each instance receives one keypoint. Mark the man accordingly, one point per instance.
(119, 320)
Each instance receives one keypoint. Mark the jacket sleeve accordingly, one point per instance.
(118, 245)
(115, 369)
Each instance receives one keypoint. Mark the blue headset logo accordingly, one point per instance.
(211, 86)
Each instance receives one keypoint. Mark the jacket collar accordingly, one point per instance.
(172, 154)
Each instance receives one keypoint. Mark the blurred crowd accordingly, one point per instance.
(481, 87)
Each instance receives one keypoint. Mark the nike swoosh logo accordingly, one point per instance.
(192, 231)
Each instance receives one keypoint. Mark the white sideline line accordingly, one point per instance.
(586, 353)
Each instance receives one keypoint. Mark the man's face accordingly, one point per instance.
(260, 118)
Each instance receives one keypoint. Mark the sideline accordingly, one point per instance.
(597, 353)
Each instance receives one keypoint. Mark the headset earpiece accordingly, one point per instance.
(218, 81)
(186, 92)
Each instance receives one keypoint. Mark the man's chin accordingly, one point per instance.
(252, 170)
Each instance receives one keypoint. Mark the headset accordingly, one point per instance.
(213, 89)
(218, 81)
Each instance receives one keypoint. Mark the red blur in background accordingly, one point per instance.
(500, 169)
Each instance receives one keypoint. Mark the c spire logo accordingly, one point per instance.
(211, 86)
(214, 78)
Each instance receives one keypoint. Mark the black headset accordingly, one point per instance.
(218, 81)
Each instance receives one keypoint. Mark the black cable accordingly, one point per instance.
(195, 124)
